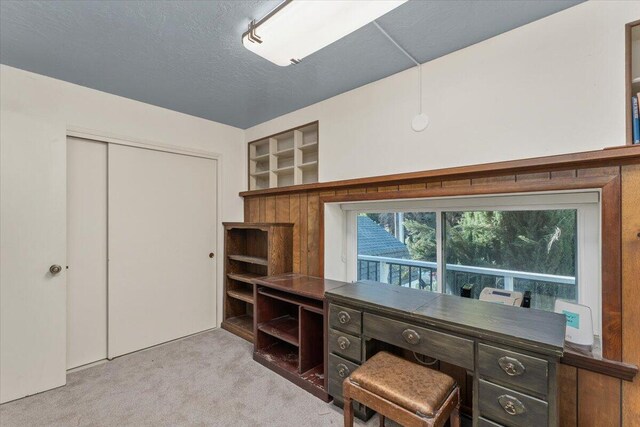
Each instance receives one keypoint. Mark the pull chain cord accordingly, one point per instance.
(421, 121)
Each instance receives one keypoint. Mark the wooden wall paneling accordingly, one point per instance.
(294, 217)
(600, 171)
(247, 210)
(537, 176)
(434, 184)
(598, 400)
(418, 186)
(568, 395)
(356, 190)
(611, 265)
(493, 180)
(570, 173)
(387, 188)
(263, 209)
(372, 189)
(631, 290)
(254, 210)
(270, 209)
(456, 183)
(282, 208)
(303, 234)
(313, 234)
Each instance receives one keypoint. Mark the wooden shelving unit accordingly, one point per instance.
(289, 320)
(251, 251)
(284, 159)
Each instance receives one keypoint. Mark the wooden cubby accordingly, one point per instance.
(251, 251)
(289, 337)
(284, 159)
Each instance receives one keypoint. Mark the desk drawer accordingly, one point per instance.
(510, 407)
(340, 368)
(483, 422)
(513, 368)
(345, 344)
(345, 319)
(448, 348)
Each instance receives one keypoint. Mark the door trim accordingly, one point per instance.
(109, 138)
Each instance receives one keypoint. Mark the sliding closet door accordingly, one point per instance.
(86, 251)
(162, 228)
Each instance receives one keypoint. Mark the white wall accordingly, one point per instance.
(551, 87)
(71, 105)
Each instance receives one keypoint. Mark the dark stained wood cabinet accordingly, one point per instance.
(289, 328)
(252, 250)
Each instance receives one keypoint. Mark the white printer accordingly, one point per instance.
(501, 296)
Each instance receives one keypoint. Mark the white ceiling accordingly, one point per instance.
(188, 56)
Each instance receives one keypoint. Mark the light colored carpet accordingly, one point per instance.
(208, 379)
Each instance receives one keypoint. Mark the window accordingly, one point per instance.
(548, 244)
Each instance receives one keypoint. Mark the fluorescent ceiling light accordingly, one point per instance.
(297, 28)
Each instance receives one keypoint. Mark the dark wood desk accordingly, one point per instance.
(512, 353)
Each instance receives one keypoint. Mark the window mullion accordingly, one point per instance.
(439, 251)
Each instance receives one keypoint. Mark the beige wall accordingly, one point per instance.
(551, 87)
(74, 106)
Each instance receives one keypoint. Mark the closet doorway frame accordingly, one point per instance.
(110, 138)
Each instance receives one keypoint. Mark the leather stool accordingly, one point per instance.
(403, 391)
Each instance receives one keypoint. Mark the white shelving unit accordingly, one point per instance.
(287, 158)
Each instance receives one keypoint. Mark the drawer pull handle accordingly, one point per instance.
(411, 336)
(512, 367)
(511, 405)
(343, 343)
(343, 370)
(343, 317)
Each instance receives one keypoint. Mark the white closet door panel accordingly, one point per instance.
(33, 301)
(162, 226)
(86, 251)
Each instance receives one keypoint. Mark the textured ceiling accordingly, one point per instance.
(187, 55)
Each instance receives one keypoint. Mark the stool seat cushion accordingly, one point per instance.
(413, 387)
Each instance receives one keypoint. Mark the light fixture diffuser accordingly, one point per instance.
(298, 28)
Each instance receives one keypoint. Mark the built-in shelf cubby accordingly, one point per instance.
(284, 159)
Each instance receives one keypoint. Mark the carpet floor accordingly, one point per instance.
(209, 379)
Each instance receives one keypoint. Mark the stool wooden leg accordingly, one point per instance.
(348, 412)
(381, 419)
(454, 418)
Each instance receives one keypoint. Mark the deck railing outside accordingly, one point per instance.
(422, 275)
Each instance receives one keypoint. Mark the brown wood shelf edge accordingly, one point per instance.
(611, 155)
(611, 368)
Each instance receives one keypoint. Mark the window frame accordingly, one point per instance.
(587, 203)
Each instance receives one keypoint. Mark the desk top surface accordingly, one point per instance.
(298, 284)
(535, 330)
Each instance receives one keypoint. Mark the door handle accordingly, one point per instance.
(55, 269)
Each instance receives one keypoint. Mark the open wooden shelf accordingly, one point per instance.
(253, 250)
(310, 146)
(282, 355)
(308, 303)
(245, 295)
(309, 165)
(249, 259)
(240, 325)
(284, 328)
(243, 277)
(289, 317)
